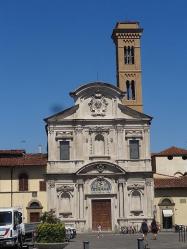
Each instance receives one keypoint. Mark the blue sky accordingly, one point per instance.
(49, 48)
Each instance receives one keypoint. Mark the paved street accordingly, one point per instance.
(126, 241)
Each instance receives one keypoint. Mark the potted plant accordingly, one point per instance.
(50, 233)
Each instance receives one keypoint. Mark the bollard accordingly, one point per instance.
(140, 243)
(184, 234)
(85, 244)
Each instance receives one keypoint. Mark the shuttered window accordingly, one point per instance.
(64, 150)
(42, 186)
(23, 182)
(134, 149)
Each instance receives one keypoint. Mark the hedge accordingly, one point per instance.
(49, 233)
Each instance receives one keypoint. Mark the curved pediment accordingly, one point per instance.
(100, 168)
(107, 89)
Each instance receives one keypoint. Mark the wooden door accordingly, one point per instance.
(34, 217)
(101, 214)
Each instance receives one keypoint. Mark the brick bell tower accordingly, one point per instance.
(126, 36)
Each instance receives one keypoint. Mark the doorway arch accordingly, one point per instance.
(166, 206)
(34, 211)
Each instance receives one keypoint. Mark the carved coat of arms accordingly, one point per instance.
(98, 105)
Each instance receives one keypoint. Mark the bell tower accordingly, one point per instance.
(126, 36)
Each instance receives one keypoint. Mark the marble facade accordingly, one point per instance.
(103, 172)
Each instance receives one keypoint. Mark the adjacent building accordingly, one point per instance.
(170, 178)
(22, 183)
(99, 164)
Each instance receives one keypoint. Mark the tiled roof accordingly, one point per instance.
(177, 182)
(11, 152)
(24, 160)
(172, 151)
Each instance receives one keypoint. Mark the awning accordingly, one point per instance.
(167, 212)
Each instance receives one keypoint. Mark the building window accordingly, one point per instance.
(183, 201)
(128, 90)
(34, 194)
(99, 145)
(134, 149)
(166, 202)
(129, 55)
(42, 185)
(34, 204)
(133, 89)
(130, 86)
(23, 182)
(64, 150)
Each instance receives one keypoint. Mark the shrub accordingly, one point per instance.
(51, 229)
(49, 217)
(50, 233)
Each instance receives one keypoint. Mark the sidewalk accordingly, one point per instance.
(126, 241)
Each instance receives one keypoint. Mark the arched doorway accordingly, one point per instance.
(101, 207)
(34, 211)
(167, 213)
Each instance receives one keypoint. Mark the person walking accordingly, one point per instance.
(154, 229)
(99, 231)
(144, 229)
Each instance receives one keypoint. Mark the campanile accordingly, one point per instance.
(126, 36)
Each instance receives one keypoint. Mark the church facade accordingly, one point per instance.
(99, 163)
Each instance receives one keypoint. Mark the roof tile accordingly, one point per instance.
(24, 160)
(177, 182)
(172, 151)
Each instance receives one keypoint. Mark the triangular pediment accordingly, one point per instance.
(63, 114)
(96, 168)
(131, 113)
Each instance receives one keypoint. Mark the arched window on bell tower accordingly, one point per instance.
(130, 88)
(132, 55)
(133, 90)
(129, 54)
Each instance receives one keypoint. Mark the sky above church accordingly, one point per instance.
(49, 48)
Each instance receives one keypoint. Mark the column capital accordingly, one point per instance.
(80, 182)
(121, 180)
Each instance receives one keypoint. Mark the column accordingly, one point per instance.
(149, 188)
(76, 204)
(121, 201)
(81, 199)
(147, 143)
(79, 142)
(125, 198)
(119, 144)
(51, 195)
